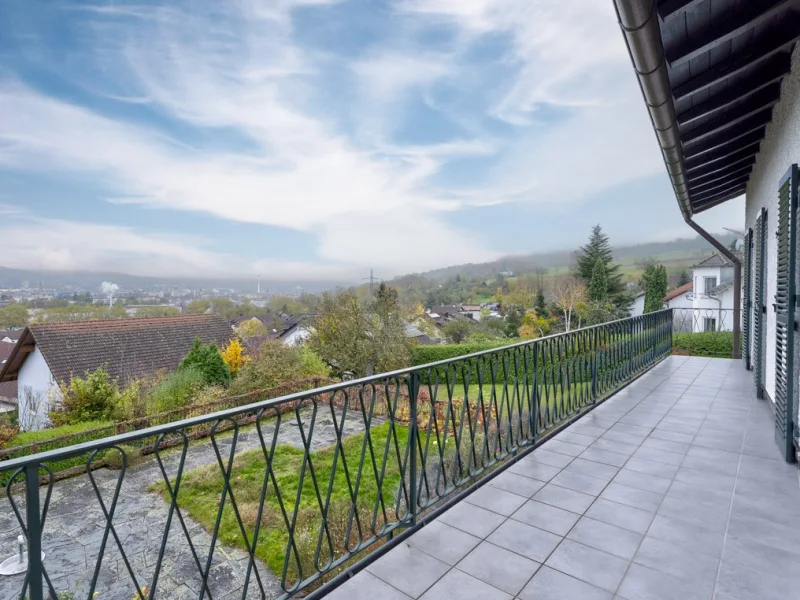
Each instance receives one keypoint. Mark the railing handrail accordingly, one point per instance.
(263, 405)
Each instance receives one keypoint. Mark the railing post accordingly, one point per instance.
(413, 392)
(34, 525)
(671, 329)
(595, 343)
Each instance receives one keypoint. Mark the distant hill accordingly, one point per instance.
(679, 252)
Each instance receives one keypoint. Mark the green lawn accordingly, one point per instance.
(200, 494)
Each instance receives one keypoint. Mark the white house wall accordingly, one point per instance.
(779, 150)
(35, 375)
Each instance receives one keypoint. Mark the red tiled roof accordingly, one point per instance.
(128, 348)
(686, 287)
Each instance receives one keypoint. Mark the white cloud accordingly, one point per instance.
(280, 144)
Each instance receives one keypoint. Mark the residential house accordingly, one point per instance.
(297, 330)
(679, 298)
(712, 299)
(473, 311)
(49, 354)
(415, 334)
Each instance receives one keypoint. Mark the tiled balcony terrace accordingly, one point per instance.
(672, 489)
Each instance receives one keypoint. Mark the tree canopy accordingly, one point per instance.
(654, 281)
(599, 249)
(598, 284)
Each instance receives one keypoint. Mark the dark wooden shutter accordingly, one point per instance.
(785, 306)
(747, 301)
(758, 302)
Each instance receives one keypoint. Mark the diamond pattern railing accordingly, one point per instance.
(282, 495)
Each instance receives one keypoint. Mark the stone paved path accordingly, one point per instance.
(75, 525)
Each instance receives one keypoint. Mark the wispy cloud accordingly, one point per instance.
(371, 145)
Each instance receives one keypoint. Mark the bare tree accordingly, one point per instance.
(567, 293)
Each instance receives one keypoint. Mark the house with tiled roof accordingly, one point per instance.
(48, 354)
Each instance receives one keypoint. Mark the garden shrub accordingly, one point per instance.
(87, 398)
(275, 364)
(175, 390)
(707, 343)
(207, 359)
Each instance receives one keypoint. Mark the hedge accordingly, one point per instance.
(715, 344)
(422, 355)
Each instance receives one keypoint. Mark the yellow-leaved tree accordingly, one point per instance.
(234, 356)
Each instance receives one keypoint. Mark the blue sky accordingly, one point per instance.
(316, 139)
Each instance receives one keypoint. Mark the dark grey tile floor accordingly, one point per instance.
(673, 489)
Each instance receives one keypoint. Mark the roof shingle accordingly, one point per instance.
(128, 348)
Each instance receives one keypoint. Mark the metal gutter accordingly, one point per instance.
(638, 20)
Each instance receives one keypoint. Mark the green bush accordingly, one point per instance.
(275, 364)
(422, 355)
(175, 390)
(87, 398)
(207, 359)
(710, 343)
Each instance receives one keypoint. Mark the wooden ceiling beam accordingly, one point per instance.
(739, 23)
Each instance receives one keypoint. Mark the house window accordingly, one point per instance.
(709, 283)
(709, 324)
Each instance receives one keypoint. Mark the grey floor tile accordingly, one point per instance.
(567, 499)
(740, 583)
(626, 438)
(693, 567)
(624, 494)
(576, 438)
(534, 470)
(547, 517)
(749, 527)
(621, 515)
(651, 467)
(553, 459)
(613, 446)
(643, 481)
(643, 583)
(499, 567)
(710, 465)
(704, 479)
(686, 535)
(633, 429)
(457, 585)
(394, 567)
(563, 447)
(472, 519)
(365, 586)
(666, 445)
(764, 559)
(730, 444)
(670, 458)
(443, 542)
(672, 436)
(517, 484)
(718, 499)
(605, 457)
(549, 584)
(703, 516)
(595, 469)
(608, 538)
(579, 482)
(588, 564)
(531, 542)
(496, 500)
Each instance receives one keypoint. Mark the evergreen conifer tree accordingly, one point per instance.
(598, 284)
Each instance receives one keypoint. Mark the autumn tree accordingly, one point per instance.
(197, 307)
(234, 356)
(534, 326)
(13, 315)
(252, 328)
(567, 293)
(457, 330)
(358, 337)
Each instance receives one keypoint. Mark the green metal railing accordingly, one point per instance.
(310, 483)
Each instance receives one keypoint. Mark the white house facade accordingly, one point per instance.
(37, 391)
(712, 296)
